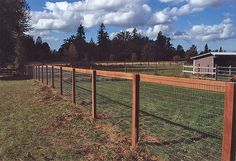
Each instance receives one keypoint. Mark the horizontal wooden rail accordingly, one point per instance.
(207, 85)
(121, 75)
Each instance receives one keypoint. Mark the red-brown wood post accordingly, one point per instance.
(42, 73)
(52, 77)
(39, 75)
(61, 90)
(135, 110)
(229, 131)
(73, 85)
(46, 74)
(36, 72)
(94, 103)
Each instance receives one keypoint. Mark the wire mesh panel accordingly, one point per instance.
(114, 101)
(83, 88)
(180, 123)
(67, 83)
(57, 78)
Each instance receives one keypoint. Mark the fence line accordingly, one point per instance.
(216, 72)
(228, 89)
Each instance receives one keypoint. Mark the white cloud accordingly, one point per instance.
(222, 31)
(65, 15)
(205, 3)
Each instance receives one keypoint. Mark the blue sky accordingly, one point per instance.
(186, 22)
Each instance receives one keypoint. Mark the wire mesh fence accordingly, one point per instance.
(67, 83)
(179, 118)
(56, 78)
(83, 86)
(181, 123)
(114, 101)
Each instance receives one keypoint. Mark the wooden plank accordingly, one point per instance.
(135, 110)
(73, 86)
(121, 75)
(207, 85)
(229, 130)
(61, 88)
(94, 103)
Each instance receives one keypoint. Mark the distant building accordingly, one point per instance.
(210, 60)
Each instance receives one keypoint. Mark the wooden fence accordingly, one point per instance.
(228, 88)
(211, 72)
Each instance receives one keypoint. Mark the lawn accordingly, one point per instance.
(37, 124)
(175, 123)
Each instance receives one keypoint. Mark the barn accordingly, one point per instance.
(210, 60)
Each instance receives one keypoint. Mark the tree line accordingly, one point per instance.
(125, 46)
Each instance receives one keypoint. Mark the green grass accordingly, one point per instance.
(160, 69)
(175, 123)
(37, 124)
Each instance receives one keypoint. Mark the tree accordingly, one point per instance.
(180, 51)
(206, 50)
(72, 53)
(191, 52)
(221, 50)
(165, 47)
(150, 52)
(14, 18)
(38, 41)
(103, 42)
(80, 42)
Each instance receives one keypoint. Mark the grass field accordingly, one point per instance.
(160, 69)
(37, 124)
(175, 123)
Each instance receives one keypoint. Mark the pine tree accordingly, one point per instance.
(206, 50)
(80, 42)
(103, 42)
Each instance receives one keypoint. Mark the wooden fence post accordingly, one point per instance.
(229, 131)
(61, 90)
(42, 73)
(52, 77)
(135, 110)
(36, 72)
(39, 75)
(216, 72)
(73, 85)
(46, 74)
(94, 104)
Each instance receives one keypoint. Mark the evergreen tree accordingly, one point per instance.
(206, 50)
(221, 50)
(14, 18)
(80, 42)
(103, 42)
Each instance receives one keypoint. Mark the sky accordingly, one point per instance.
(186, 22)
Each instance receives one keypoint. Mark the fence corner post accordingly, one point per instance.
(229, 130)
(94, 103)
(135, 110)
(73, 85)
